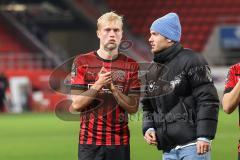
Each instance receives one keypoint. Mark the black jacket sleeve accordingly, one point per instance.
(147, 121)
(205, 95)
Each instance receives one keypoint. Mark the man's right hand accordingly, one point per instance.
(104, 78)
(150, 137)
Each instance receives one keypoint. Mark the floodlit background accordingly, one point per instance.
(39, 39)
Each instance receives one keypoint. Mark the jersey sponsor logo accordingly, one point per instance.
(106, 90)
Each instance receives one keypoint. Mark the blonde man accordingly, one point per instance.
(105, 87)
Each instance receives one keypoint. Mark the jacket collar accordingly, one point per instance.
(168, 54)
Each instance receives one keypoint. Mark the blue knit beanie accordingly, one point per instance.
(168, 26)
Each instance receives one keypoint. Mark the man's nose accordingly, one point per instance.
(150, 39)
(112, 33)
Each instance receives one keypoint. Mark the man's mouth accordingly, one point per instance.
(112, 41)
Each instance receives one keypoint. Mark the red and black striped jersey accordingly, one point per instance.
(104, 122)
(232, 79)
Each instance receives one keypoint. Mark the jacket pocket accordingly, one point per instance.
(164, 142)
(188, 106)
(181, 132)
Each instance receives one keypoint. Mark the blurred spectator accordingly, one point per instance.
(3, 88)
(25, 97)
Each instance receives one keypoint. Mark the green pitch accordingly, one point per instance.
(33, 136)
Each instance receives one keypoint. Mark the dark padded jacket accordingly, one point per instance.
(181, 102)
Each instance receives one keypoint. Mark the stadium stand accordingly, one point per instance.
(20, 60)
(9, 42)
(198, 17)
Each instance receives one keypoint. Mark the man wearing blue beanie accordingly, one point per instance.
(168, 26)
(180, 115)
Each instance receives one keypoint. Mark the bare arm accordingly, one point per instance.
(231, 100)
(82, 99)
(129, 103)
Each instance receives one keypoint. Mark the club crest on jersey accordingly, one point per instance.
(118, 75)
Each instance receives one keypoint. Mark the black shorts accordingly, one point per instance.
(94, 152)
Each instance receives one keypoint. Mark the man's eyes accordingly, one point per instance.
(114, 30)
(155, 34)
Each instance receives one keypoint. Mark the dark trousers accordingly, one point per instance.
(94, 152)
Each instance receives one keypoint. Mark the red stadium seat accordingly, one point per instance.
(198, 17)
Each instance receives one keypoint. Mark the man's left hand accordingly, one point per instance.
(203, 147)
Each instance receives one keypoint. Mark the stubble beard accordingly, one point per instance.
(110, 47)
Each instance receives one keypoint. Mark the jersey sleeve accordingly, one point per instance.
(230, 81)
(134, 82)
(78, 72)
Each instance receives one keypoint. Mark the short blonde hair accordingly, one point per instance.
(109, 17)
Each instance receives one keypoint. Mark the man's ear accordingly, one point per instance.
(97, 33)
(169, 40)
